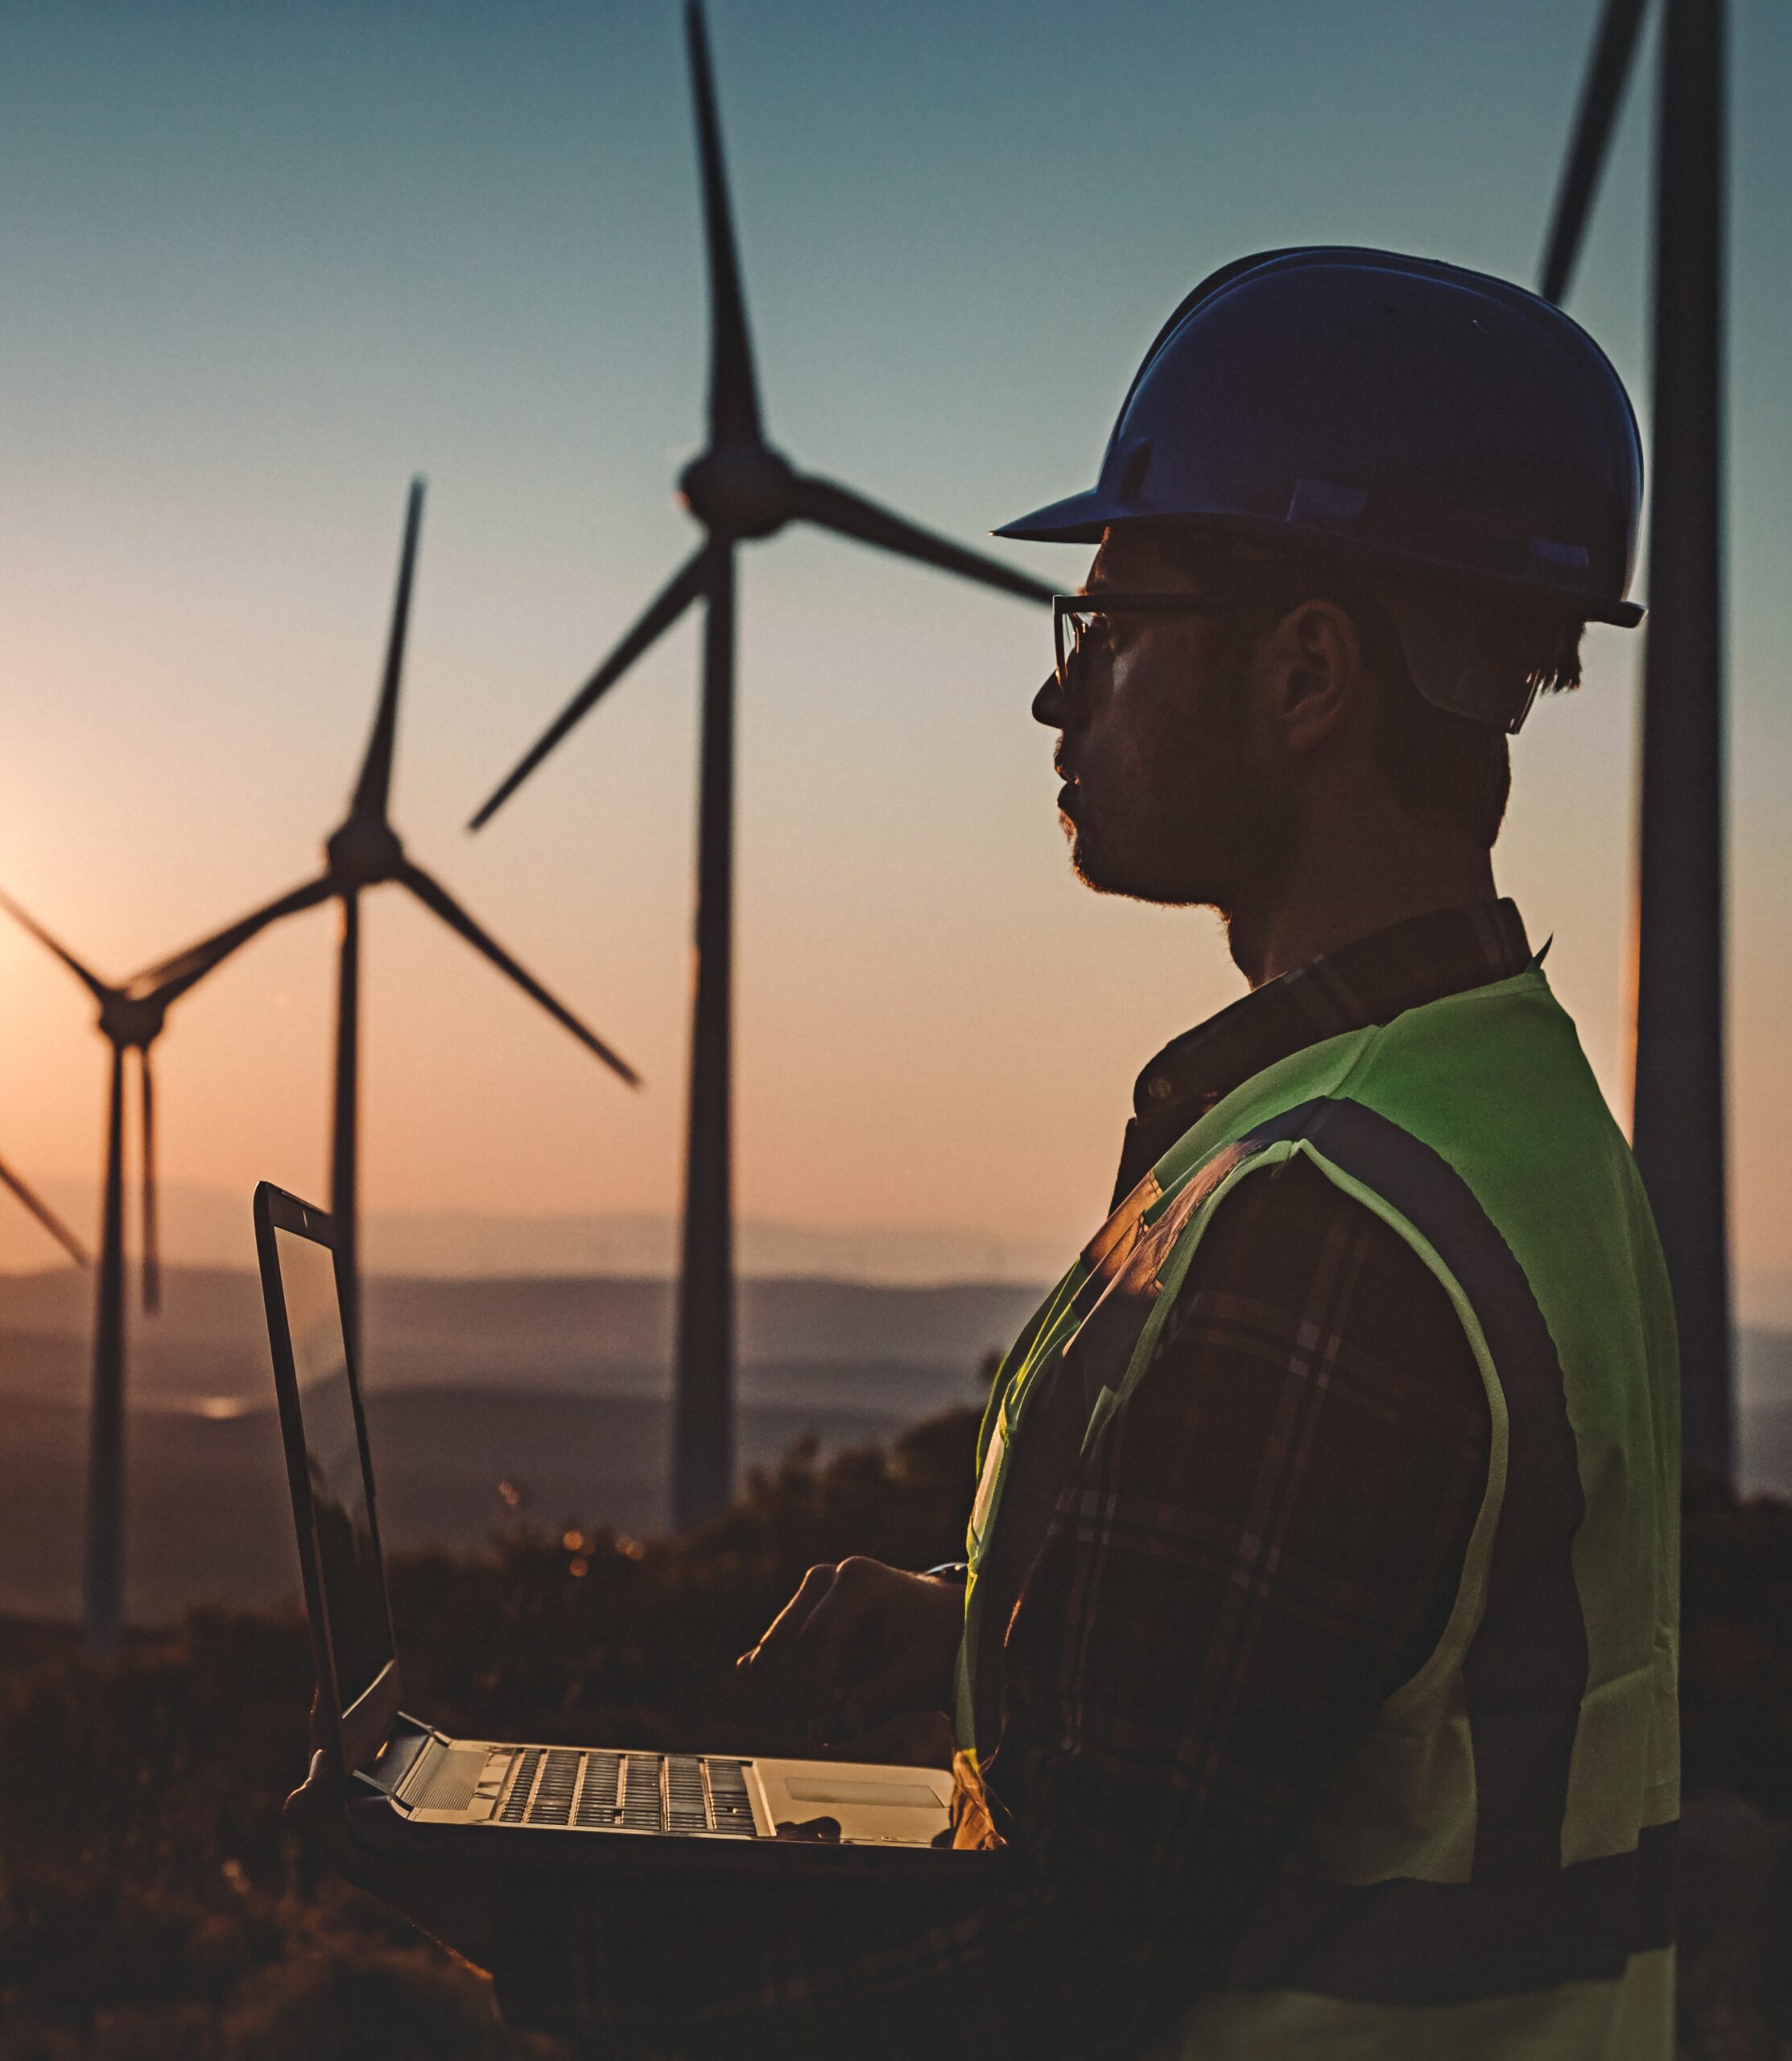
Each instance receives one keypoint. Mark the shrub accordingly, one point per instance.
(151, 1903)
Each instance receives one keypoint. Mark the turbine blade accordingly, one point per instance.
(90, 980)
(169, 978)
(152, 1246)
(1614, 50)
(45, 1216)
(838, 508)
(733, 391)
(373, 790)
(436, 898)
(690, 579)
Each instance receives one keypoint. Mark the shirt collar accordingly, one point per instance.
(1372, 980)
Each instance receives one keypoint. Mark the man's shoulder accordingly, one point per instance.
(1284, 1219)
(1311, 1268)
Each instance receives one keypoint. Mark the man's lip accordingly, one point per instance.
(1066, 795)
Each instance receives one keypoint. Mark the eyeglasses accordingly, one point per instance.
(1080, 622)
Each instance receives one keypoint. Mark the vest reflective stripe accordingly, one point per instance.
(1525, 1671)
(1506, 1831)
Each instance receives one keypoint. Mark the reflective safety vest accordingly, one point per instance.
(1491, 1872)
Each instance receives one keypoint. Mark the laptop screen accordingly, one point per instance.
(354, 1589)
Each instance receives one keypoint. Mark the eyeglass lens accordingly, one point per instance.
(1076, 635)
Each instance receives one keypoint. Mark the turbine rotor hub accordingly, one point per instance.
(739, 490)
(130, 1020)
(364, 853)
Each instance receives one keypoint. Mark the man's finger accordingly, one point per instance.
(315, 1805)
(852, 1598)
(314, 1810)
(780, 1635)
(320, 1790)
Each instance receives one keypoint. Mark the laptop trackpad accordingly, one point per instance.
(913, 1795)
(878, 1805)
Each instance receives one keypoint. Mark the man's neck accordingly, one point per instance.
(1324, 907)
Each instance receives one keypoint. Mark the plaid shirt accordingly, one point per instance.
(1266, 1542)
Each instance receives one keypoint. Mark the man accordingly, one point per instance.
(1313, 1663)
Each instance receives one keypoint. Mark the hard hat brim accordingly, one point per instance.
(1078, 519)
(1085, 517)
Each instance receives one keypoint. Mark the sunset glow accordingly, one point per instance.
(292, 260)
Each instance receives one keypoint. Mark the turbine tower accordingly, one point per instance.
(1678, 1124)
(739, 488)
(131, 1018)
(365, 852)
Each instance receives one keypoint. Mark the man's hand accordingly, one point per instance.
(860, 1643)
(454, 1901)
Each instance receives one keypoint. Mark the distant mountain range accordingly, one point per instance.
(832, 1344)
(208, 1227)
(555, 1385)
(559, 1387)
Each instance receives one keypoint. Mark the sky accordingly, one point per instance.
(263, 263)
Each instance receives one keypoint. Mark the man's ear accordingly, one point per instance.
(1316, 683)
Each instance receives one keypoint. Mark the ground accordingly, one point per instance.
(152, 1907)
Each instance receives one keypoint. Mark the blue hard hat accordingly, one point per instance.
(1390, 411)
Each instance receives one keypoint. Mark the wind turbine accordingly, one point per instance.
(365, 851)
(44, 1214)
(131, 1018)
(739, 488)
(1679, 1121)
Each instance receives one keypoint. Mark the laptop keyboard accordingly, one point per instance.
(640, 1792)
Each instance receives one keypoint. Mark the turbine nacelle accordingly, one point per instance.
(739, 490)
(364, 853)
(132, 1021)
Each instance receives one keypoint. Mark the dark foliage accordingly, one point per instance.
(1736, 1716)
(152, 1906)
(151, 1903)
(1735, 1697)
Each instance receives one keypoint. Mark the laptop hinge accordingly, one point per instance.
(404, 1744)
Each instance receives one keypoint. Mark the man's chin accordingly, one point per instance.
(1111, 872)
(1087, 867)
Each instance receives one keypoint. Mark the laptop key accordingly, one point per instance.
(597, 1800)
(684, 1799)
(552, 1802)
(528, 1764)
(730, 1809)
(643, 1807)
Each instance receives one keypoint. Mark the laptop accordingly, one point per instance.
(411, 1786)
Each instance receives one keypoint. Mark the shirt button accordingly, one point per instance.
(1158, 1089)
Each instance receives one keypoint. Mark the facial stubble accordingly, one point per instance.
(1206, 819)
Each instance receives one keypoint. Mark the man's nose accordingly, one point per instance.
(1048, 703)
